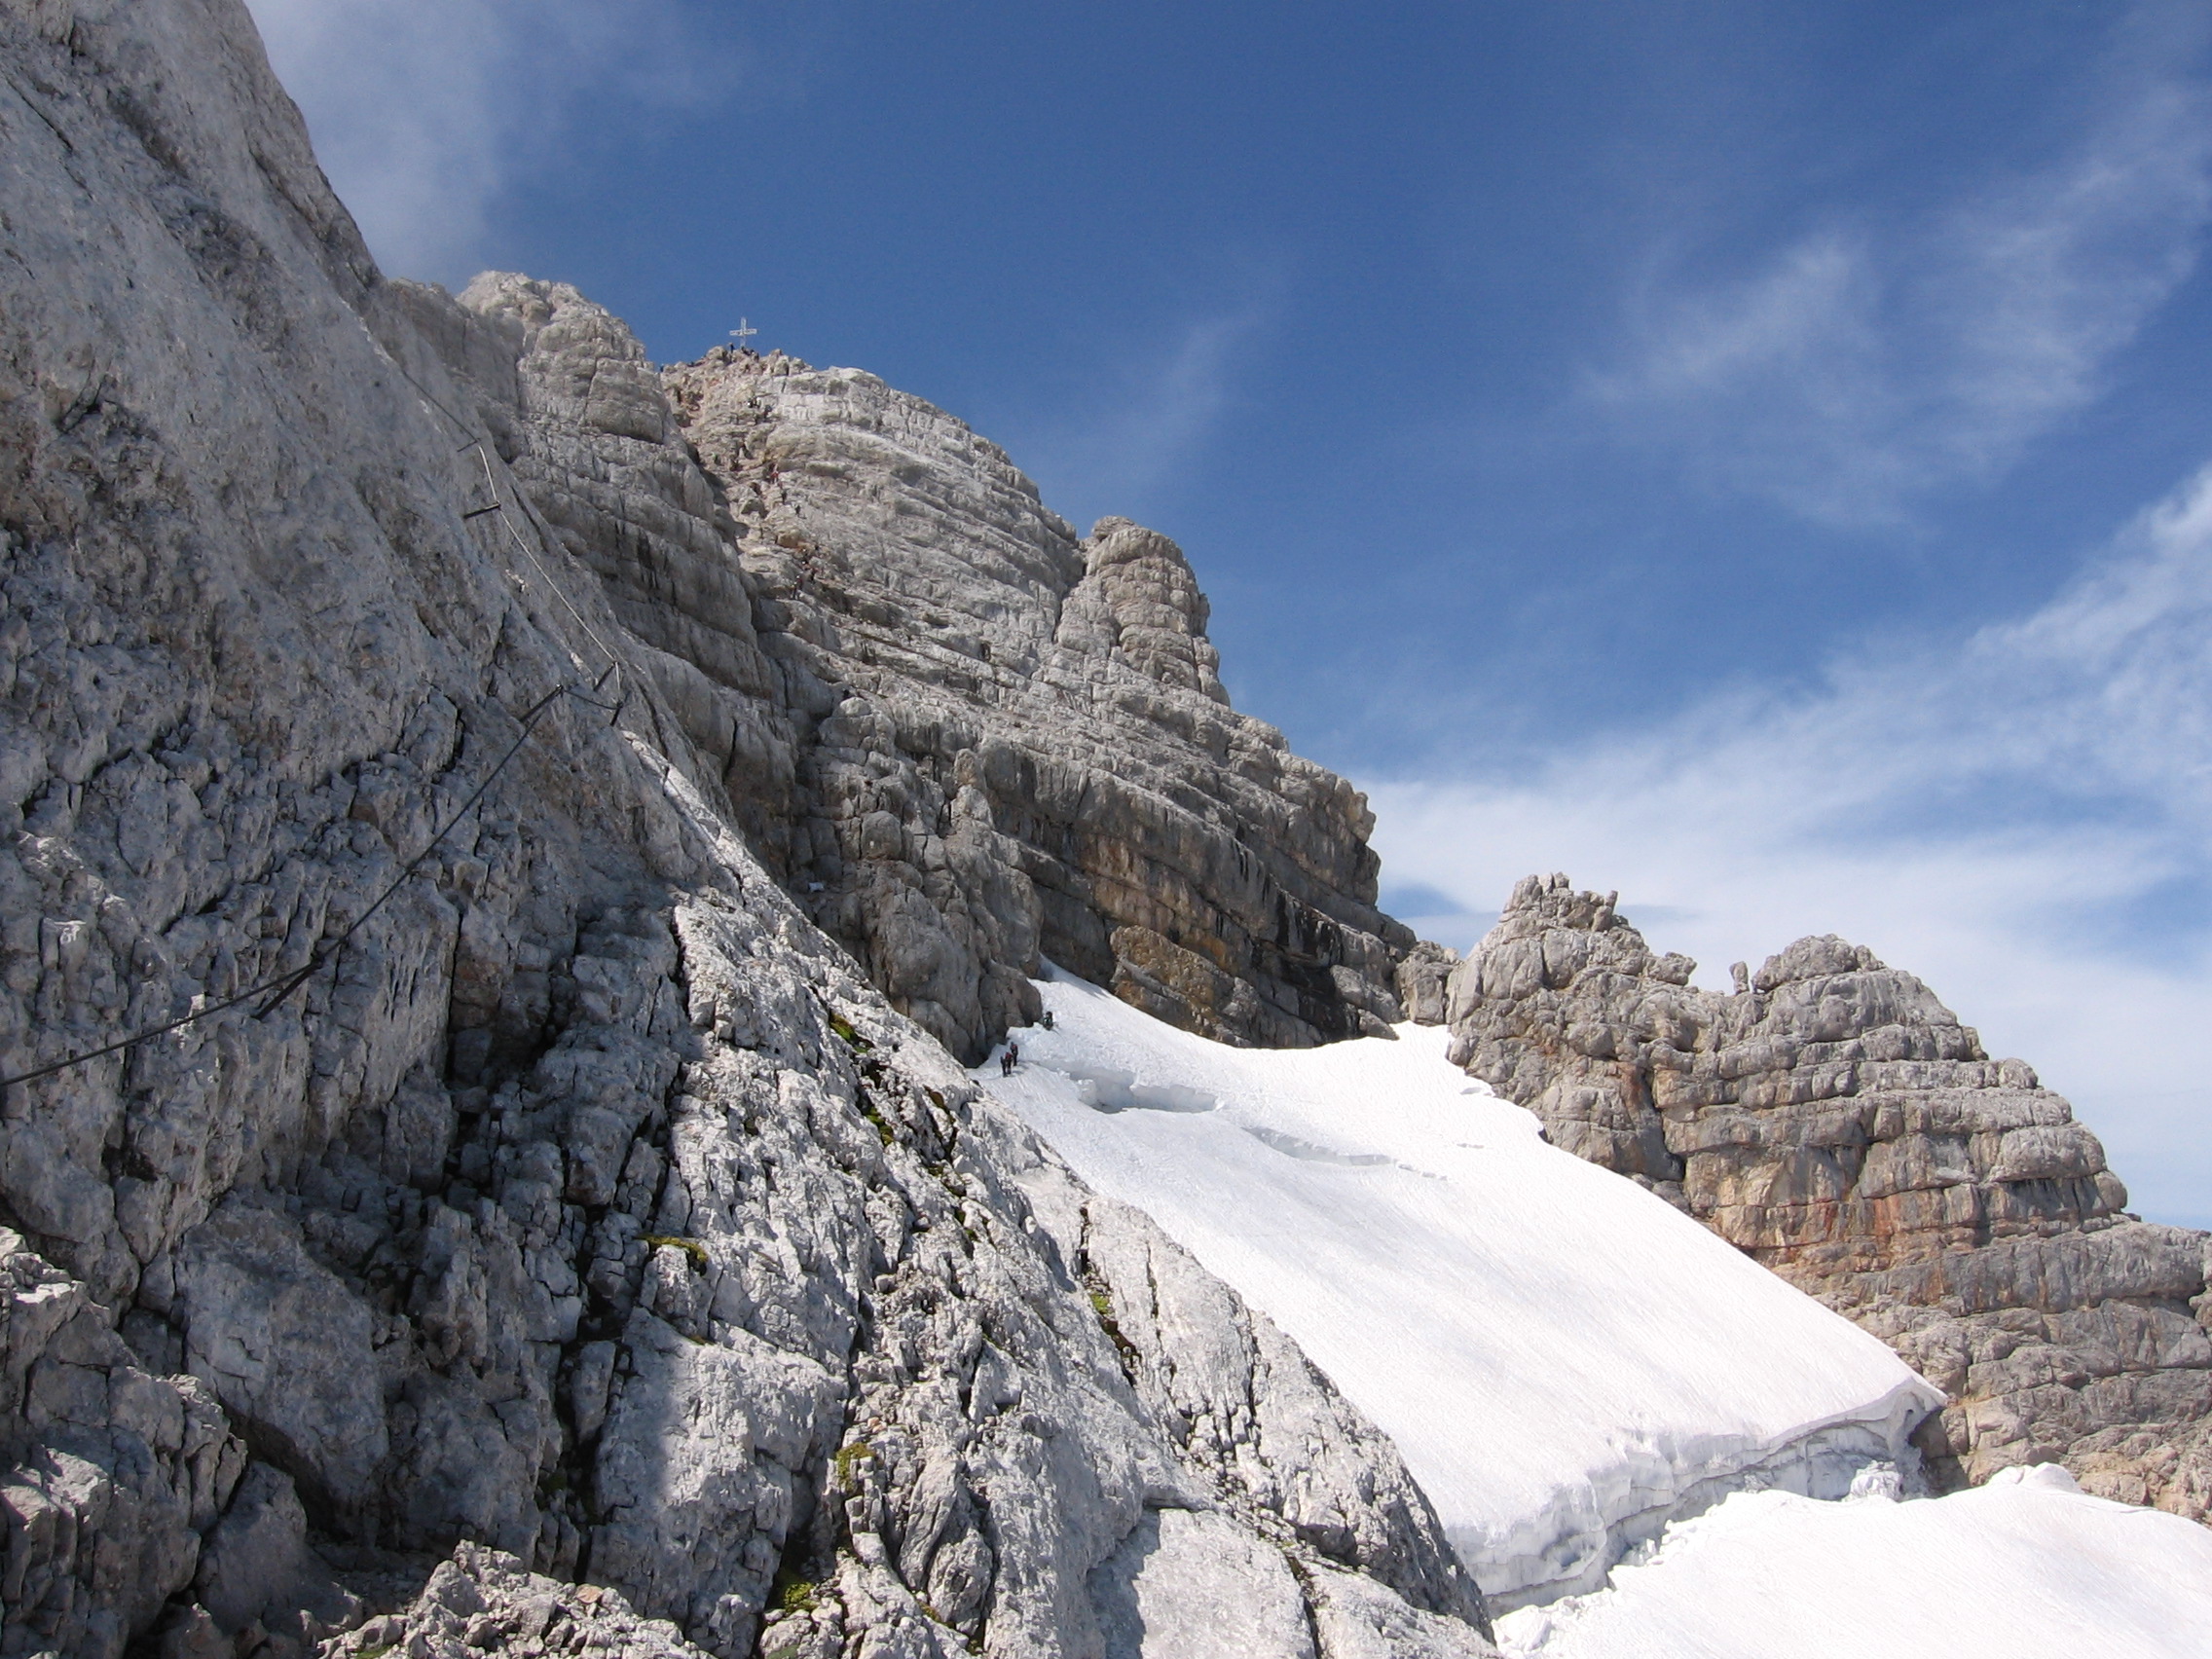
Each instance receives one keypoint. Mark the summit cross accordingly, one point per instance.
(742, 333)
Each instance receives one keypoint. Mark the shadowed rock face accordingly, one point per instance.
(589, 1203)
(1834, 1121)
(962, 735)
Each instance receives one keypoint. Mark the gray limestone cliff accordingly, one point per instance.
(963, 737)
(570, 821)
(1834, 1121)
(584, 1237)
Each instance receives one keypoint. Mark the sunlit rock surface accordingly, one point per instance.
(962, 735)
(590, 1204)
(612, 1196)
(1834, 1121)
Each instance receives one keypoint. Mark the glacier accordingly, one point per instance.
(2028, 1567)
(1567, 1363)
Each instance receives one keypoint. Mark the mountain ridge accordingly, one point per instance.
(585, 1200)
(647, 786)
(1838, 1123)
(964, 735)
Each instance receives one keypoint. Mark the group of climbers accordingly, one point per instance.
(1010, 1057)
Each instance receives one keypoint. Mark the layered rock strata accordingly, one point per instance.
(1835, 1121)
(586, 1201)
(963, 737)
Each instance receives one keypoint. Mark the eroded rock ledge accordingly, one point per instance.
(1835, 1121)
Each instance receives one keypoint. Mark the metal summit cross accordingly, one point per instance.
(741, 334)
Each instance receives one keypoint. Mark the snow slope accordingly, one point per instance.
(2025, 1568)
(1565, 1362)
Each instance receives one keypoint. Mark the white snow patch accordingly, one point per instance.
(2025, 1568)
(1565, 1362)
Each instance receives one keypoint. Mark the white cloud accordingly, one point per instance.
(426, 112)
(2019, 817)
(1866, 364)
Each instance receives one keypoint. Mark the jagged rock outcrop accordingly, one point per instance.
(1061, 697)
(484, 1601)
(1833, 1119)
(963, 737)
(577, 1196)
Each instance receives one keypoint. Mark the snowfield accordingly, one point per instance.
(1565, 1362)
(2025, 1568)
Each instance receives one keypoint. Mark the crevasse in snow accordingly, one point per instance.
(2025, 1568)
(1565, 1362)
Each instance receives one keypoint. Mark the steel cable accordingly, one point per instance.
(277, 989)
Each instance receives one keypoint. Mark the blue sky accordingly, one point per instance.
(1743, 454)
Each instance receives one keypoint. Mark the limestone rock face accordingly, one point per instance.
(579, 1196)
(963, 737)
(1139, 601)
(486, 1602)
(116, 1474)
(1833, 1119)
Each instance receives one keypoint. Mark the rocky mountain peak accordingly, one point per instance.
(506, 849)
(1140, 599)
(1834, 1120)
(578, 362)
(967, 739)
(497, 841)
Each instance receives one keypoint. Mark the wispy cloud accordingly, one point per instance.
(1145, 424)
(2019, 817)
(1870, 361)
(426, 112)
